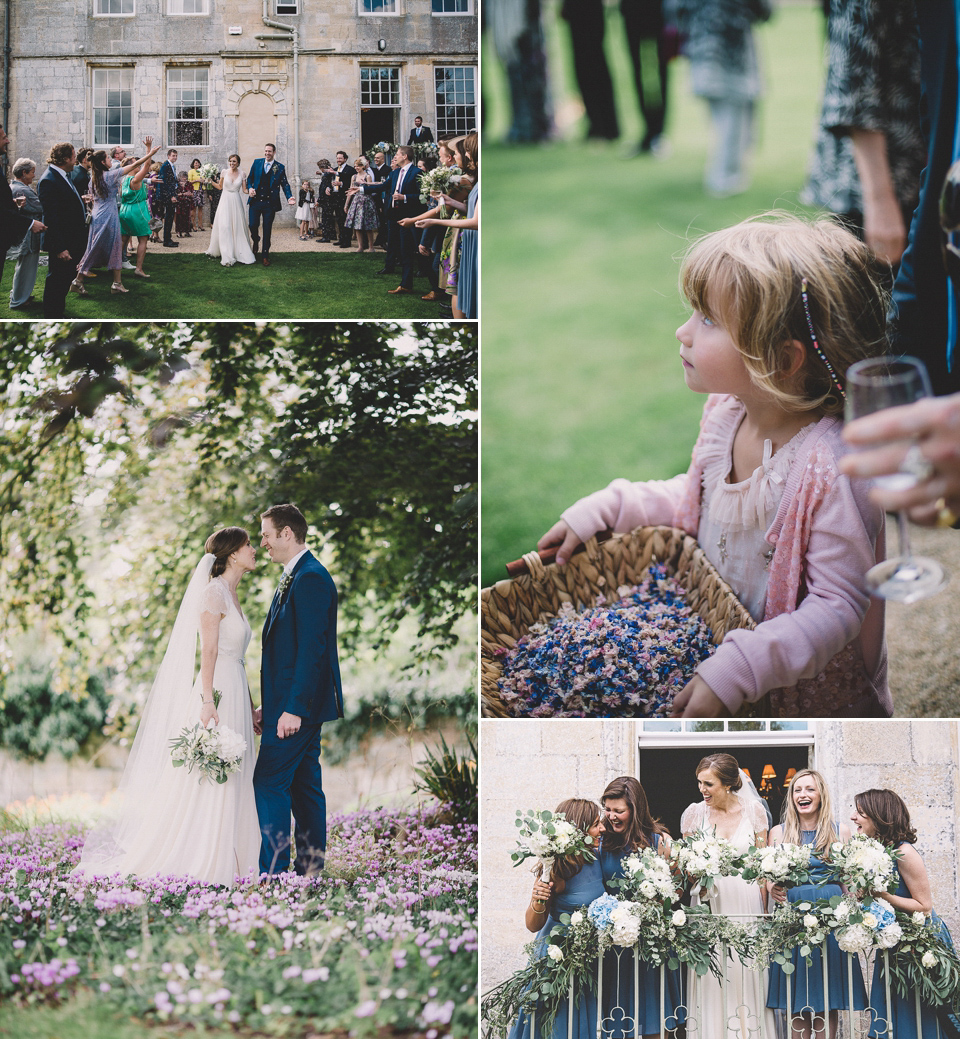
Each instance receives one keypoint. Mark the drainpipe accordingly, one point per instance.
(296, 80)
(6, 77)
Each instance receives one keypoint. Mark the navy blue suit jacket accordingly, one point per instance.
(276, 180)
(300, 670)
(411, 204)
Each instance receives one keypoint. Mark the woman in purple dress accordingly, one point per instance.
(104, 247)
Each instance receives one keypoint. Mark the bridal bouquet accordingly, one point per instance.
(864, 864)
(702, 857)
(210, 171)
(437, 181)
(647, 877)
(783, 864)
(547, 836)
(214, 753)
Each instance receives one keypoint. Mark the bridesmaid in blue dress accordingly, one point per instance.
(629, 827)
(573, 885)
(881, 814)
(808, 821)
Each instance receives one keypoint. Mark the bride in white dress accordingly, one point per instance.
(165, 821)
(732, 809)
(230, 234)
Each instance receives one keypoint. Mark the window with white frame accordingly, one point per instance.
(288, 7)
(456, 100)
(453, 6)
(188, 107)
(188, 6)
(380, 87)
(378, 7)
(115, 7)
(112, 107)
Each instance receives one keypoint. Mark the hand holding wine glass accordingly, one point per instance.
(874, 385)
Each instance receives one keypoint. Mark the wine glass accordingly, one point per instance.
(872, 385)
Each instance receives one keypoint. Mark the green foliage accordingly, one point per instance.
(451, 779)
(36, 718)
(126, 445)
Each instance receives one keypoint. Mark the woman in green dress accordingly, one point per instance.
(135, 215)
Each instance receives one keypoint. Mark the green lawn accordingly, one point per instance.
(339, 285)
(580, 372)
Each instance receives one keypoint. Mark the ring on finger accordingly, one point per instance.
(915, 463)
(946, 517)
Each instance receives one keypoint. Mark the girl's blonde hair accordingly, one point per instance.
(748, 278)
(826, 832)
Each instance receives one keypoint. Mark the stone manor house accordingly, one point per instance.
(211, 77)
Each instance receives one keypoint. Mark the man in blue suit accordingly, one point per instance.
(401, 193)
(300, 690)
(264, 183)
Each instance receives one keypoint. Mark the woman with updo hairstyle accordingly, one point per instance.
(574, 883)
(629, 827)
(168, 819)
(882, 814)
(732, 810)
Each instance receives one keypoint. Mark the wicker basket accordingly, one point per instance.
(509, 608)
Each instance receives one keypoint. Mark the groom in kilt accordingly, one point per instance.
(266, 179)
(300, 690)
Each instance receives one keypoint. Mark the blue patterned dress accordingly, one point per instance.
(618, 978)
(904, 1012)
(581, 889)
(806, 983)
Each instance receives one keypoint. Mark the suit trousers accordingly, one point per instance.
(256, 211)
(409, 240)
(344, 233)
(59, 275)
(169, 213)
(288, 777)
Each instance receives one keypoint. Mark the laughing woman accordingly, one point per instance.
(881, 814)
(574, 884)
(629, 827)
(808, 822)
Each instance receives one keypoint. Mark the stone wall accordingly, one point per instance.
(535, 764)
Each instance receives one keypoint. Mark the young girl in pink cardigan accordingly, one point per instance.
(781, 308)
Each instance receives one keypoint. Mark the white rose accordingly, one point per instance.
(918, 918)
(929, 959)
(576, 918)
(809, 921)
(647, 889)
(679, 918)
(555, 953)
(869, 920)
(842, 911)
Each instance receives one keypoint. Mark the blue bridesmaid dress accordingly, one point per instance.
(618, 989)
(904, 1012)
(806, 983)
(580, 890)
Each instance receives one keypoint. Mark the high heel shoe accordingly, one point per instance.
(77, 287)
(115, 287)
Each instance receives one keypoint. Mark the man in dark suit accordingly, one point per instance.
(13, 224)
(300, 690)
(401, 192)
(381, 170)
(420, 134)
(167, 191)
(344, 171)
(266, 179)
(65, 216)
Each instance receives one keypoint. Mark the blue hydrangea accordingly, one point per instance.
(883, 911)
(599, 910)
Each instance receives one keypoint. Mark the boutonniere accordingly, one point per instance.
(285, 583)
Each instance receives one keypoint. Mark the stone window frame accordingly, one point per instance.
(677, 732)
(394, 12)
(470, 10)
(287, 3)
(393, 67)
(127, 67)
(441, 128)
(114, 14)
(168, 137)
(169, 5)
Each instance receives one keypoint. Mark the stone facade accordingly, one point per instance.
(535, 764)
(258, 89)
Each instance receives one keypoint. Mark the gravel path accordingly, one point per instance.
(921, 638)
(283, 240)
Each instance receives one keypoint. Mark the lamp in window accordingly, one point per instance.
(788, 779)
(767, 779)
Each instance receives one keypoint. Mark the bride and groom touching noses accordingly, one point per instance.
(166, 823)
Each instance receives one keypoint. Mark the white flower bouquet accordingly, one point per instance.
(215, 752)
(648, 877)
(864, 864)
(210, 171)
(703, 857)
(920, 954)
(546, 836)
(437, 181)
(784, 864)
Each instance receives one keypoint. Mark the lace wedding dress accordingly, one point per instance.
(166, 821)
(742, 1001)
(230, 234)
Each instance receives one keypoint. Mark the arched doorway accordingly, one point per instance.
(256, 126)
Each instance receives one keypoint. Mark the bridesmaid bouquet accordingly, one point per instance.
(648, 877)
(784, 864)
(210, 172)
(437, 181)
(702, 857)
(864, 864)
(547, 836)
(924, 960)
